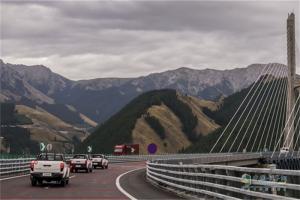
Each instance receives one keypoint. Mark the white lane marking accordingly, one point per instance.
(119, 185)
(72, 176)
(13, 177)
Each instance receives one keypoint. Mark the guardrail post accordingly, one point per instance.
(219, 181)
(229, 183)
(205, 179)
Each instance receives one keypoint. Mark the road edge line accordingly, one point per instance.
(119, 185)
(13, 177)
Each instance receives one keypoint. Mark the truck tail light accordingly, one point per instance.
(62, 166)
(34, 162)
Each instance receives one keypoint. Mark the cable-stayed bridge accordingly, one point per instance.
(256, 156)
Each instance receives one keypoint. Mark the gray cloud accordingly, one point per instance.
(82, 40)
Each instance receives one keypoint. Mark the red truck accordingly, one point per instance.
(126, 149)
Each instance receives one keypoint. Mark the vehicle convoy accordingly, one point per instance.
(81, 162)
(126, 149)
(49, 167)
(99, 160)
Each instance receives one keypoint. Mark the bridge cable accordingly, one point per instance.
(253, 116)
(296, 128)
(298, 122)
(279, 115)
(257, 120)
(268, 89)
(254, 94)
(286, 124)
(289, 131)
(267, 133)
(264, 111)
(240, 106)
(283, 115)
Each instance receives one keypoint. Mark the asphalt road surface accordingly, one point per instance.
(101, 184)
(136, 185)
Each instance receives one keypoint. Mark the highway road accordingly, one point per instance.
(101, 184)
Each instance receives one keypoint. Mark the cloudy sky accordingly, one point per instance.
(90, 39)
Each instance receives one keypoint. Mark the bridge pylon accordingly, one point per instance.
(291, 93)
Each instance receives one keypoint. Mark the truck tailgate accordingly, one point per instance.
(47, 166)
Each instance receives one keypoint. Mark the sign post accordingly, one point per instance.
(49, 147)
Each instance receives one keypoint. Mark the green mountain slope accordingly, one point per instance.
(146, 119)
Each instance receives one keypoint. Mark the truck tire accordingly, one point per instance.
(33, 182)
(63, 183)
(67, 181)
(40, 182)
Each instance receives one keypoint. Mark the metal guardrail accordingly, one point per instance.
(225, 182)
(13, 166)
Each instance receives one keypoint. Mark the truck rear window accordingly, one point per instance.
(51, 157)
(97, 156)
(80, 156)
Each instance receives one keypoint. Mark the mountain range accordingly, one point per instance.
(98, 99)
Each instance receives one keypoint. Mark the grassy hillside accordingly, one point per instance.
(128, 124)
(23, 127)
(65, 112)
(9, 116)
(118, 129)
(15, 139)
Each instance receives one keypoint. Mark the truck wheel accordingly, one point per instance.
(63, 183)
(33, 182)
(67, 181)
(40, 182)
(91, 170)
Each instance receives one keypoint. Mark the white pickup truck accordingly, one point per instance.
(49, 167)
(81, 162)
(99, 160)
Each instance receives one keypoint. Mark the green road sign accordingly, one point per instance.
(42, 146)
(89, 149)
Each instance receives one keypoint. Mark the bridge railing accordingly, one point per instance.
(226, 182)
(14, 166)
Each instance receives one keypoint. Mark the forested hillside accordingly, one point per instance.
(149, 110)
